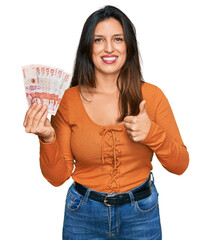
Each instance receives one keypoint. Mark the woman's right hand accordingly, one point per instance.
(36, 122)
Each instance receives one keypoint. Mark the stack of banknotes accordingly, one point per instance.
(46, 85)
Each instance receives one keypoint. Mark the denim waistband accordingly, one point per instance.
(151, 176)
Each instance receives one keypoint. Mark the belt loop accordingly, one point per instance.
(132, 199)
(152, 177)
(86, 195)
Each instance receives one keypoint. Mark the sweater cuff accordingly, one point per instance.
(45, 143)
(48, 152)
(155, 137)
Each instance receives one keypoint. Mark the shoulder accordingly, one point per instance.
(69, 99)
(155, 98)
(151, 91)
(148, 88)
(70, 92)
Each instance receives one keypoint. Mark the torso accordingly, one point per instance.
(102, 108)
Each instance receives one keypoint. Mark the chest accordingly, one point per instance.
(102, 109)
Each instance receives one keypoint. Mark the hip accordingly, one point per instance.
(86, 218)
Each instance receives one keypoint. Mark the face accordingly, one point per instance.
(37, 100)
(109, 48)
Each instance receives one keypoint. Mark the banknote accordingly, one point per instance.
(46, 85)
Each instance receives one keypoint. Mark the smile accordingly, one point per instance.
(109, 59)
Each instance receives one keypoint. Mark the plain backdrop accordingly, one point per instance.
(174, 40)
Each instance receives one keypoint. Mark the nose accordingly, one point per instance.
(109, 46)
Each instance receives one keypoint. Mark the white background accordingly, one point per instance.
(174, 40)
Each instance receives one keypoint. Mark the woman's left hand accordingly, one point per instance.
(138, 126)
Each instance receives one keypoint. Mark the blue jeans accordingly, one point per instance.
(86, 219)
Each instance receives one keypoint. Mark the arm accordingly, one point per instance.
(56, 159)
(164, 137)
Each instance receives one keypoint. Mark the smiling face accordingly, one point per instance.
(109, 48)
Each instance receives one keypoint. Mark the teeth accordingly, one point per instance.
(109, 58)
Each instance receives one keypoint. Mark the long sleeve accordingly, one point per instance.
(164, 137)
(56, 159)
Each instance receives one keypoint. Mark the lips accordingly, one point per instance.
(109, 59)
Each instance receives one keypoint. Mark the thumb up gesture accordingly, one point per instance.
(138, 126)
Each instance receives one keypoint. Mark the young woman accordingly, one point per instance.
(108, 125)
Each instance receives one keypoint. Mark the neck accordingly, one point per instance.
(106, 83)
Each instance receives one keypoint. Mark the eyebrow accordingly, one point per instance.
(115, 35)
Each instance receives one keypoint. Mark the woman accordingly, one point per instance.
(108, 125)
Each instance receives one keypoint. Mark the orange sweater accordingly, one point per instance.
(105, 158)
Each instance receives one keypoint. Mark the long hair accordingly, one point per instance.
(130, 77)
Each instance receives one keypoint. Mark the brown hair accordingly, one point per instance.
(130, 77)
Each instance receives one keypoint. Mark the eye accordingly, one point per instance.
(98, 40)
(118, 39)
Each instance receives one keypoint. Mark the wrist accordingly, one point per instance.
(48, 139)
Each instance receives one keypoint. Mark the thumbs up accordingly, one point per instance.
(142, 107)
(138, 126)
